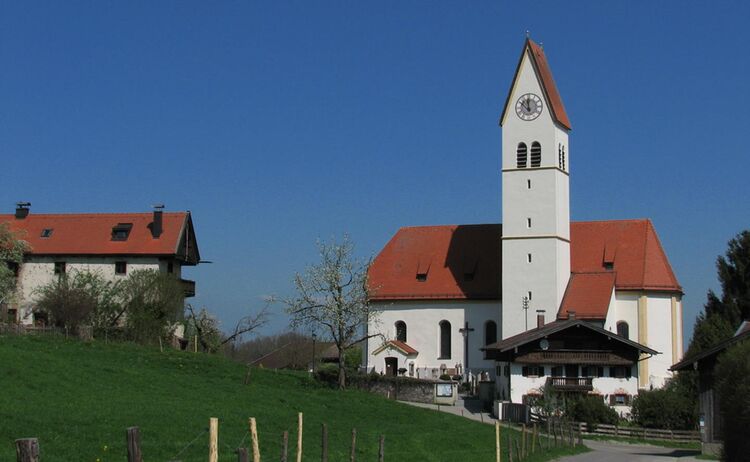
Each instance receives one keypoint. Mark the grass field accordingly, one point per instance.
(78, 398)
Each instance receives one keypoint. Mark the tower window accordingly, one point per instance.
(528, 222)
(528, 184)
(521, 155)
(528, 258)
(490, 332)
(562, 159)
(529, 296)
(536, 154)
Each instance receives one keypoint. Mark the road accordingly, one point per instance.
(607, 451)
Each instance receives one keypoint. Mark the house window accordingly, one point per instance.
(536, 154)
(46, 232)
(623, 330)
(620, 372)
(619, 400)
(532, 371)
(490, 332)
(445, 340)
(592, 371)
(170, 267)
(121, 231)
(401, 331)
(557, 371)
(121, 267)
(59, 267)
(521, 155)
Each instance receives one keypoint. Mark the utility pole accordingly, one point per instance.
(525, 307)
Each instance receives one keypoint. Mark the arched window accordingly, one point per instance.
(521, 155)
(623, 330)
(445, 340)
(490, 332)
(401, 331)
(536, 154)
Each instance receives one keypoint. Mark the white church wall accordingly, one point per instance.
(625, 308)
(422, 320)
(659, 315)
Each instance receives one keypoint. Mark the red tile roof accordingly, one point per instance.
(539, 61)
(91, 234)
(399, 345)
(588, 294)
(464, 261)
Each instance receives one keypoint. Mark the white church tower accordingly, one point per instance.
(535, 201)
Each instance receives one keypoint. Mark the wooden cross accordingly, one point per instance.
(465, 332)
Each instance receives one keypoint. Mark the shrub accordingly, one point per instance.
(445, 377)
(667, 408)
(592, 410)
(733, 387)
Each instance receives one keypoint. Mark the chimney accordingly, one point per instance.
(157, 225)
(571, 314)
(539, 318)
(22, 210)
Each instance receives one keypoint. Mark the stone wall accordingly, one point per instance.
(413, 390)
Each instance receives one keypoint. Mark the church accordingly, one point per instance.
(595, 304)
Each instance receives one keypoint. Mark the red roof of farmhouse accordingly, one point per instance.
(91, 234)
(539, 61)
(460, 262)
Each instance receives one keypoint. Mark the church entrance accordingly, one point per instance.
(391, 366)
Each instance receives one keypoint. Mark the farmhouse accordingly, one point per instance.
(483, 299)
(112, 244)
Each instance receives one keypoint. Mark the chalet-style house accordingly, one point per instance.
(112, 244)
(450, 298)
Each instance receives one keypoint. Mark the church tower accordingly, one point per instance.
(535, 201)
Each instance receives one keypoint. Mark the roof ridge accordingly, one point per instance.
(637, 220)
(91, 214)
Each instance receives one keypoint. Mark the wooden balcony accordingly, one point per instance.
(188, 287)
(594, 357)
(571, 383)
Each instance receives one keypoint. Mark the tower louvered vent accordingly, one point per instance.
(536, 154)
(521, 155)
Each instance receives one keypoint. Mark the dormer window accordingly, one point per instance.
(422, 269)
(121, 231)
(521, 155)
(536, 154)
(46, 233)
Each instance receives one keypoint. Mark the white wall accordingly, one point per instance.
(422, 320)
(39, 271)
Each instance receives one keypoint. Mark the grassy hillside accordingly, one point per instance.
(78, 398)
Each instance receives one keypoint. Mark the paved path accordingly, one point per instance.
(608, 451)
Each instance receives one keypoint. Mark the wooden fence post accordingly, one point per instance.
(284, 446)
(254, 439)
(497, 441)
(133, 437)
(299, 437)
(352, 455)
(523, 441)
(520, 454)
(381, 449)
(533, 439)
(510, 448)
(323, 443)
(242, 455)
(27, 450)
(213, 439)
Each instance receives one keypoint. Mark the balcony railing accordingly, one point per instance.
(571, 383)
(189, 287)
(573, 357)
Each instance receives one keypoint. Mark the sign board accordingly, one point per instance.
(444, 390)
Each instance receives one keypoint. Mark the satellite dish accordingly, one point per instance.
(544, 344)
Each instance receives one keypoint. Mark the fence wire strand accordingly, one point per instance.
(202, 432)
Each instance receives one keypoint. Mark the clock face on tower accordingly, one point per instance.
(528, 106)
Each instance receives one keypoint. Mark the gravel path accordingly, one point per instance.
(609, 451)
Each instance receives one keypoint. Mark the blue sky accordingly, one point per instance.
(283, 122)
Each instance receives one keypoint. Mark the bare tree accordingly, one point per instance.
(206, 327)
(333, 295)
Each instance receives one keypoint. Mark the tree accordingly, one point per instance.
(722, 315)
(152, 302)
(205, 326)
(670, 408)
(333, 296)
(78, 298)
(733, 386)
(12, 249)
